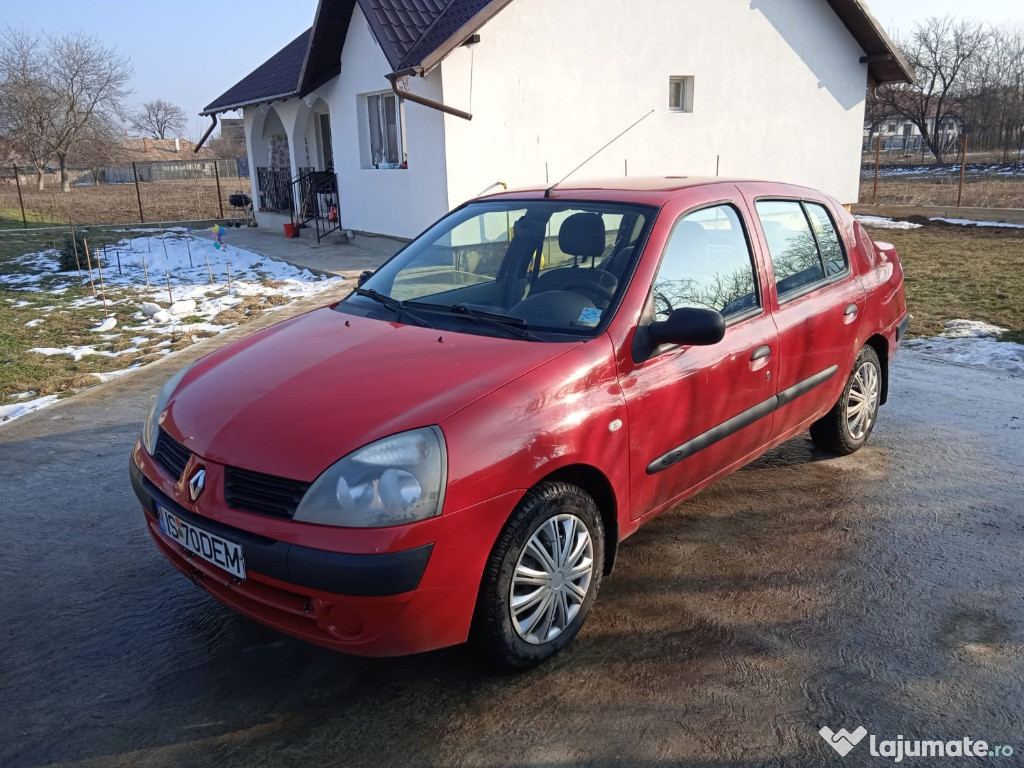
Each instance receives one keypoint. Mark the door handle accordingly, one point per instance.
(761, 353)
(850, 313)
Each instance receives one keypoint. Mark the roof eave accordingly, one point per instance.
(217, 110)
(460, 36)
(875, 42)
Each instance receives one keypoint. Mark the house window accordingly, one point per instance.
(680, 94)
(386, 144)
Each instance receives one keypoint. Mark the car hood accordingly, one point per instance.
(293, 399)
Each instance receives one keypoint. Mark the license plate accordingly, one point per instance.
(221, 552)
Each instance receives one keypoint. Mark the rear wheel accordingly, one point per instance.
(541, 578)
(848, 425)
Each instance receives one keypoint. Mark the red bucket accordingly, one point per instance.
(290, 230)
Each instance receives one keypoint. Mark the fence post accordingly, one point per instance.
(220, 198)
(138, 194)
(878, 162)
(21, 201)
(963, 169)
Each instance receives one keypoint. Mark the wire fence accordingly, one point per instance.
(976, 178)
(133, 193)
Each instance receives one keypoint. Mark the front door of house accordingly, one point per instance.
(326, 145)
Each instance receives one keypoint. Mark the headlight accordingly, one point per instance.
(152, 426)
(394, 481)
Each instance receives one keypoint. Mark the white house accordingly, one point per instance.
(388, 113)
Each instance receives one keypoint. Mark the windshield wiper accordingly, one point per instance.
(396, 306)
(514, 325)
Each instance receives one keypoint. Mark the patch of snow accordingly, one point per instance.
(107, 325)
(77, 353)
(23, 395)
(34, 323)
(162, 317)
(879, 222)
(185, 307)
(17, 410)
(111, 375)
(971, 222)
(971, 342)
(149, 308)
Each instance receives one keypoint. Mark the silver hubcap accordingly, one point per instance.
(862, 404)
(551, 579)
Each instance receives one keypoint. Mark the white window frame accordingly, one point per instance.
(680, 93)
(378, 100)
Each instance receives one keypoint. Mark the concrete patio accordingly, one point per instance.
(326, 257)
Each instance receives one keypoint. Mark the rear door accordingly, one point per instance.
(817, 304)
(694, 411)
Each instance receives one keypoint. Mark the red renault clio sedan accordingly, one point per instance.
(456, 450)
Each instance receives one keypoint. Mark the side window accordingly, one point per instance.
(793, 247)
(707, 264)
(832, 252)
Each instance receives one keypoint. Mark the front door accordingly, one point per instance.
(326, 145)
(694, 411)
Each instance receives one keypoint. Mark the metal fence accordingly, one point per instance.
(979, 183)
(122, 193)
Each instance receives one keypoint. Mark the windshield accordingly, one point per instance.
(531, 268)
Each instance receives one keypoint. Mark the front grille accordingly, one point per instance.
(262, 494)
(171, 455)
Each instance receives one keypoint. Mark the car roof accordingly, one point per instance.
(650, 190)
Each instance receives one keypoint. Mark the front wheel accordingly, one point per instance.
(541, 578)
(847, 426)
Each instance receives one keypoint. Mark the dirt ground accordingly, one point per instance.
(188, 200)
(883, 589)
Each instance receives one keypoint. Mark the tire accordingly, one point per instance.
(511, 596)
(841, 431)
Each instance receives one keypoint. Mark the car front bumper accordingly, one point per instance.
(383, 601)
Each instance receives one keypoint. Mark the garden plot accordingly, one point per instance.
(150, 294)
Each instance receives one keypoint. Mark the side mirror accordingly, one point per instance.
(364, 277)
(689, 327)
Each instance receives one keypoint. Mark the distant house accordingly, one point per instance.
(900, 134)
(154, 159)
(367, 114)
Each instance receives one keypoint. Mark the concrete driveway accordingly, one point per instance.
(884, 589)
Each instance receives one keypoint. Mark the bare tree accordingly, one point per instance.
(941, 52)
(25, 102)
(160, 119)
(59, 87)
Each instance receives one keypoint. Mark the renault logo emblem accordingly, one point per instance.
(195, 485)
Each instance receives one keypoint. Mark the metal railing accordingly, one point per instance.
(316, 193)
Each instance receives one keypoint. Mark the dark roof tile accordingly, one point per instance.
(277, 76)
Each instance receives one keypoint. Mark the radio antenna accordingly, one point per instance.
(561, 181)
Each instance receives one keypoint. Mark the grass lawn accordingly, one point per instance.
(970, 273)
(43, 308)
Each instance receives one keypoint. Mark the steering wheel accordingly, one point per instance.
(660, 297)
(583, 286)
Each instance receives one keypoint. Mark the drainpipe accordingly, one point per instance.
(422, 100)
(213, 125)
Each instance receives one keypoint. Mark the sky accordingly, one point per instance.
(190, 51)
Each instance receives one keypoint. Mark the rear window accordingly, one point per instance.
(803, 243)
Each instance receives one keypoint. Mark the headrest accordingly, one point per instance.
(582, 234)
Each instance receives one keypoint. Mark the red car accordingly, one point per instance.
(457, 449)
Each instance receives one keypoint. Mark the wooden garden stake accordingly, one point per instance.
(169, 294)
(74, 244)
(188, 245)
(103, 290)
(117, 253)
(163, 242)
(145, 270)
(209, 269)
(229, 278)
(88, 261)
